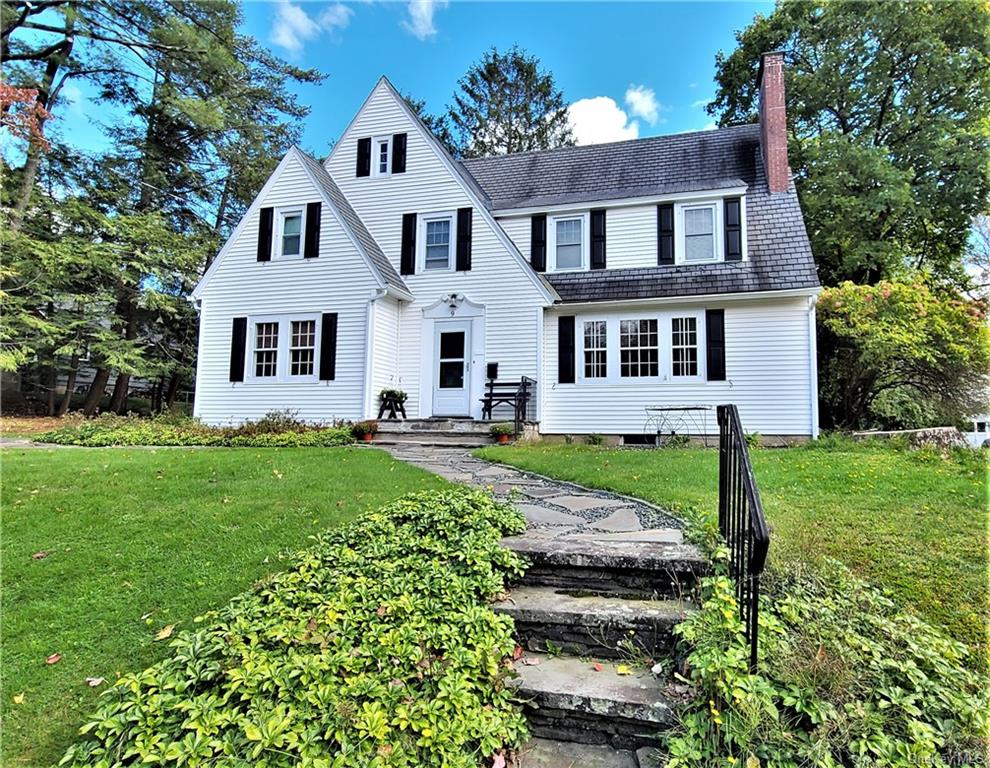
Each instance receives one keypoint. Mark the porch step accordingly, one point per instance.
(571, 699)
(449, 439)
(433, 426)
(606, 566)
(547, 619)
(545, 753)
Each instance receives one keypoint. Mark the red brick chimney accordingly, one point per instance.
(773, 120)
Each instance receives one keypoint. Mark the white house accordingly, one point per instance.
(666, 271)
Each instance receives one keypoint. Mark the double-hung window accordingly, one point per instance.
(639, 350)
(290, 236)
(438, 234)
(302, 348)
(700, 242)
(595, 349)
(381, 155)
(568, 243)
(684, 346)
(266, 350)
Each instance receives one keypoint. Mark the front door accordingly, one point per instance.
(452, 368)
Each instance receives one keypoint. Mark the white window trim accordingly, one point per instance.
(280, 216)
(282, 375)
(610, 359)
(665, 356)
(376, 143)
(423, 219)
(585, 218)
(718, 231)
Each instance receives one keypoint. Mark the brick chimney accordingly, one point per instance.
(773, 120)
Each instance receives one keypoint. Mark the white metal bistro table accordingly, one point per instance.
(669, 422)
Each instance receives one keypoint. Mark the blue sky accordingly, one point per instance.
(627, 70)
(630, 69)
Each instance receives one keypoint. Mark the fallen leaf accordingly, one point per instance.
(531, 661)
(40, 555)
(623, 669)
(93, 682)
(499, 761)
(598, 667)
(517, 653)
(19, 698)
(55, 658)
(165, 632)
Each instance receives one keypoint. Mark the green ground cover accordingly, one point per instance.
(140, 540)
(908, 521)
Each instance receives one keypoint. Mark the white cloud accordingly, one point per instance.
(293, 27)
(420, 23)
(599, 120)
(73, 98)
(700, 103)
(642, 102)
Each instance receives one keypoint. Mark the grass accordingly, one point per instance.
(139, 540)
(911, 522)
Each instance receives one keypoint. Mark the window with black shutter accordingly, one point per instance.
(266, 221)
(407, 260)
(238, 343)
(715, 341)
(538, 243)
(565, 349)
(311, 247)
(465, 219)
(399, 153)
(733, 229)
(364, 157)
(598, 239)
(328, 347)
(665, 234)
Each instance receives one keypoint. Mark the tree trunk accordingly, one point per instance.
(125, 308)
(118, 400)
(50, 387)
(70, 384)
(96, 391)
(173, 390)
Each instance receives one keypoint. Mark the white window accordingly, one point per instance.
(381, 154)
(265, 350)
(683, 346)
(699, 233)
(568, 242)
(291, 224)
(302, 348)
(639, 350)
(436, 233)
(595, 349)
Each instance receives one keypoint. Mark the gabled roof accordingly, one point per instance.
(352, 222)
(684, 162)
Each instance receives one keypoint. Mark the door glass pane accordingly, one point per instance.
(452, 375)
(452, 345)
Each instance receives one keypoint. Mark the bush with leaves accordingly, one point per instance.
(844, 680)
(377, 647)
(275, 430)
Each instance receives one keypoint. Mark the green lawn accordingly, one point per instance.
(910, 522)
(142, 539)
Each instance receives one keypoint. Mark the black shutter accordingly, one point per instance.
(328, 347)
(407, 263)
(565, 349)
(715, 340)
(265, 222)
(311, 247)
(538, 244)
(364, 157)
(399, 153)
(598, 239)
(732, 212)
(238, 342)
(665, 233)
(465, 218)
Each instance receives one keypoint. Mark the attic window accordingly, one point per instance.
(382, 155)
(291, 239)
(699, 233)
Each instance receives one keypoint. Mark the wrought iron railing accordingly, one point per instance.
(741, 521)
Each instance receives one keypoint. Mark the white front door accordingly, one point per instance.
(452, 368)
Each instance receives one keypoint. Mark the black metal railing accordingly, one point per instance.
(741, 521)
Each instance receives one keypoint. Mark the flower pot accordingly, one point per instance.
(367, 437)
(502, 439)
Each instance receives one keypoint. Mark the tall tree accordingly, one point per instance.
(439, 125)
(507, 103)
(887, 113)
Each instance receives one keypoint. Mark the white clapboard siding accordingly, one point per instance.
(339, 280)
(498, 279)
(768, 371)
(385, 350)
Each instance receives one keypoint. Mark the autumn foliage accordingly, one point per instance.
(22, 114)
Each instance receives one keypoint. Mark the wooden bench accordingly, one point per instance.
(513, 393)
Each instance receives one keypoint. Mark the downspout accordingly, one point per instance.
(198, 304)
(813, 363)
(380, 293)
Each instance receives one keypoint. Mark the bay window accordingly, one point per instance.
(684, 346)
(639, 350)
(595, 349)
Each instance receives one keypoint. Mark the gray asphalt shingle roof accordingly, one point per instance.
(353, 222)
(779, 253)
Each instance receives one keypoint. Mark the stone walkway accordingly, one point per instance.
(552, 508)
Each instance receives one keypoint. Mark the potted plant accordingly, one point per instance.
(393, 401)
(365, 430)
(502, 431)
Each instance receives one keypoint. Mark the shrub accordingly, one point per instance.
(844, 679)
(594, 439)
(377, 647)
(274, 430)
(364, 428)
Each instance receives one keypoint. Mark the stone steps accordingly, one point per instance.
(567, 699)
(424, 426)
(543, 753)
(609, 566)
(449, 439)
(547, 619)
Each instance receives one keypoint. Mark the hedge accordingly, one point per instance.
(376, 648)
